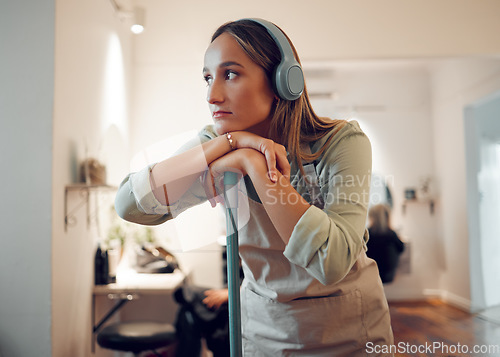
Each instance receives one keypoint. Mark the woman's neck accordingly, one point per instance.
(261, 129)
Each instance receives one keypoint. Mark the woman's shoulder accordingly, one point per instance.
(347, 129)
(349, 137)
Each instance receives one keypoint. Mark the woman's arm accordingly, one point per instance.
(282, 202)
(153, 195)
(172, 177)
(326, 242)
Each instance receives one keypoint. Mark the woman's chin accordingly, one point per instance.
(220, 129)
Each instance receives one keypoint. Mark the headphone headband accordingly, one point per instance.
(288, 77)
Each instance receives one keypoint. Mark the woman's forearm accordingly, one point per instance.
(283, 204)
(172, 177)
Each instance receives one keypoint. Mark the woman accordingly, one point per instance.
(384, 245)
(309, 289)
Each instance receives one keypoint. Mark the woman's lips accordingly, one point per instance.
(221, 114)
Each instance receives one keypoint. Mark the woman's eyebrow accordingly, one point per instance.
(225, 64)
(230, 63)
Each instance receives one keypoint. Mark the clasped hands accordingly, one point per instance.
(252, 155)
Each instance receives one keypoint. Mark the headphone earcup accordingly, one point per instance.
(289, 80)
(288, 76)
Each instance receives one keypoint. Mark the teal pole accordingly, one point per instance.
(233, 262)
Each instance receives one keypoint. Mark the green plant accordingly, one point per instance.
(116, 233)
(144, 235)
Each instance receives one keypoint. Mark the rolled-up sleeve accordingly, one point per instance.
(327, 242)
(135, 201)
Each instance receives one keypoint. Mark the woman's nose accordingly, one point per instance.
(215, 93)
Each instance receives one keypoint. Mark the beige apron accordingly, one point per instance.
(341, 322)
(336, 325)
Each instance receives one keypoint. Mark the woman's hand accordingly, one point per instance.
(215, 298)
(240, 161)
(283, 204)
(275, 154)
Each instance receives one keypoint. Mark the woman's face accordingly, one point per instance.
(239, 94)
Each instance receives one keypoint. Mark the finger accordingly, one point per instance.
(207, 301)
(285, 169)
(282, 162)
(217, 183)
(211, 188)
(219, 186)
(205, 183)
(271, 165)
(214, 186)
(267, 148)
(219, 199)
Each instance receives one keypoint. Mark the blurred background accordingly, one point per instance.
(421, 77)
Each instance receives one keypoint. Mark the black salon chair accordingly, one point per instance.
(137, 336)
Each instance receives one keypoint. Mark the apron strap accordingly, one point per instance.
(312, 181)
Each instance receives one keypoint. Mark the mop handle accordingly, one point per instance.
(233, 262)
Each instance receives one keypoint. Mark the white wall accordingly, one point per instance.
(91, 114)
(26, 97)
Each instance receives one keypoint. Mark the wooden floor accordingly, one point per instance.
(433, 328)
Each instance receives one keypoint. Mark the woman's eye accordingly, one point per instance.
(208, 79)
(231, 75)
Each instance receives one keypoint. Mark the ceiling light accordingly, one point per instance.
(135, 18)
(137, 26)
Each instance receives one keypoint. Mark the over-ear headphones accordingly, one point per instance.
(288, 77)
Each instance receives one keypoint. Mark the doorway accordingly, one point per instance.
(482, 140)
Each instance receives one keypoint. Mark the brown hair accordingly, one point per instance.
(380, 218)
(293, 122)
